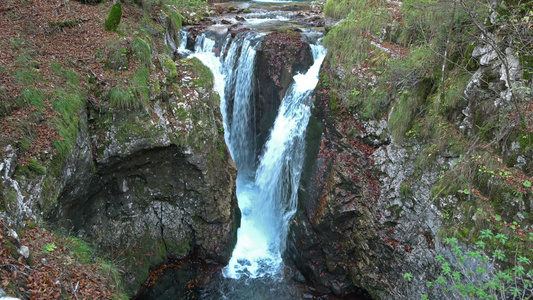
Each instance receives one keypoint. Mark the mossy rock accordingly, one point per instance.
(205, 76)
(115, 15)
(168, 66)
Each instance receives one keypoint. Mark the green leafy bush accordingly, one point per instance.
(470, 278)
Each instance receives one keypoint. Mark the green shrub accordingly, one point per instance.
(115, 14)
(461, 280)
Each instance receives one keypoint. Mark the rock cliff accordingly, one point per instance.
(379, 211)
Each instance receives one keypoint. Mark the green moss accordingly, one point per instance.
(169, 67)
(176, 20)
(147, 253)
(526, 141)
(181, 248)
(204, 76)
(134, 126)
(152, 29)
(115, 15)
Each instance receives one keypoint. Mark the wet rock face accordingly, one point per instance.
(282, 55)
(153, 202)
(356, 230)
(334, 236)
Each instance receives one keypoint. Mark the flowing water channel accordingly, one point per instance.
(269, 174)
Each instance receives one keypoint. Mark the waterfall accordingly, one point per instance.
(266, 188)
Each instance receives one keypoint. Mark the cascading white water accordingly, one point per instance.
(267, 193)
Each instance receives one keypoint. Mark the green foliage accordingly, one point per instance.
(115, 15)
(135, 95)
(32, 97)
(405, 190)
(340, 9)
(454, 98)
(408, 276)
(419, 65)
(27, 76)
(49, 248)
(83, 251)
(347, 43)
(402, 116)
(36, 166)
(71, 78)
(463, 279)
(121, 98)
(139, 87)
(143, 52)
(68, 103)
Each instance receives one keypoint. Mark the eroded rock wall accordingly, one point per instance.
(371, 212)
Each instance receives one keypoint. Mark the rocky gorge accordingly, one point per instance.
(414, 150)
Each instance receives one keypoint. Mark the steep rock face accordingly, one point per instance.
(155, 184)
(282, 55)
(369, 213)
